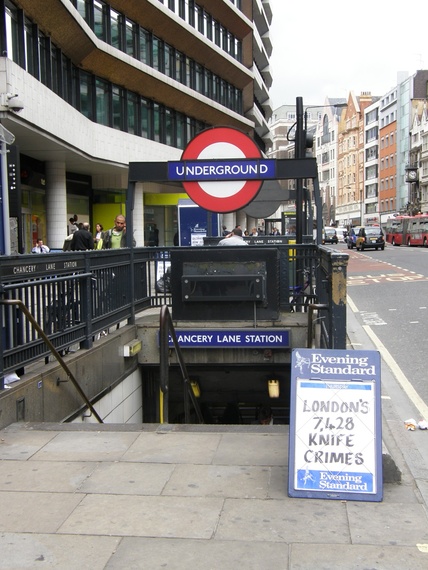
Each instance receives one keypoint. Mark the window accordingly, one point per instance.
(118, 107)
(85, 93)
(102, 102)
(145, 47)
(115, 29)
(100, 22)
(132, 113)
(44, 53)
(131, 38)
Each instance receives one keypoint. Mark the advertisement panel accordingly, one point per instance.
(335, 425)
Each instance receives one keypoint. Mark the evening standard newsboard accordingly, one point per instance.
(335, 425)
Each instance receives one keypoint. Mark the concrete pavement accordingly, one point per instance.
(176, 497)
(213, 497)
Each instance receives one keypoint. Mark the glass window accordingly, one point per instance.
(169, 60)
(102, 102)
(182, 9)
(179, 67)
(199, 79)
(146, 119)
(145, 43)
(132, 113)
(179, 128)
(131, 37)
(30, 59)
(56, 70)
(12, 33)
(83, 7)
(43, 59)
(156, 56)
(100, 23)
(115, 35)
(85, 93)
(156, 122)
(66, 79)
(118, 107)
(209, 26)
(169, 127)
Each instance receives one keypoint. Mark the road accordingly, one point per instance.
(388, 291)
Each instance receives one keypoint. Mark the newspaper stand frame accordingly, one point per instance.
(335, 445)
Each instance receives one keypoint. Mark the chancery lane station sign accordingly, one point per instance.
(335, 425)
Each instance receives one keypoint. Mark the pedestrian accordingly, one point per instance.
(225, 232)
(116, 236)
(235, 238)
(82, 239)
(265, 416)
(98, 239)
(40, 247)
(72, 226)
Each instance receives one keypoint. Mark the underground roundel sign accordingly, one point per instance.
(221, 169)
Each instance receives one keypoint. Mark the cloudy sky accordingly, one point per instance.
(327, 61)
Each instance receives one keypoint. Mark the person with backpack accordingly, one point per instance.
(115, 238)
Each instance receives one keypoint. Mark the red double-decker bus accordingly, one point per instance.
(407, 230)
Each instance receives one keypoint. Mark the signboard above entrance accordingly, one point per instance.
(222, 169)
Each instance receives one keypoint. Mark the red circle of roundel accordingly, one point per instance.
(249, 189)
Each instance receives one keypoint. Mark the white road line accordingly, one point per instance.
(396, 370)
(399, 374)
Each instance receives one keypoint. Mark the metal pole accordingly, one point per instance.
(299, 152)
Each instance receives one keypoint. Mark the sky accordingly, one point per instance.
(329, 48)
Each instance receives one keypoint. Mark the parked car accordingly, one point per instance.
(329, 235)
(370, 237)
(351, 238)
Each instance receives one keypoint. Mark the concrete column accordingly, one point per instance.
(56, 204)
(139, 214)
(228, 221)
(241, 220)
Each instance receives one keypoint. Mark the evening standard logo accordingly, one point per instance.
(317, 363)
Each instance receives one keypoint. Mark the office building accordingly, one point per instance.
(87, 86)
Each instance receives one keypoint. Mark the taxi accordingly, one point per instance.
(370, 237)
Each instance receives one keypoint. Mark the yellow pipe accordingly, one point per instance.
(161, 406)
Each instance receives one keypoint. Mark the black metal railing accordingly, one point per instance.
(74, 296)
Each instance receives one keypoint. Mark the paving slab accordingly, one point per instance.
(47, 476)
(180, 554)
(171, 447)
(255, 449)
(86, 446)
(125, 478)
(22, 551)
(22, 444)
(35, 512)
(237, 481)
(121, 515)
(389, 524)
(354, 557)
(291, 520)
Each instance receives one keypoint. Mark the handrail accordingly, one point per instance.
(51, 347)
(166, 326)
(311, 308)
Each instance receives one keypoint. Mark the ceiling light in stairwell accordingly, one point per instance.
(273, 388)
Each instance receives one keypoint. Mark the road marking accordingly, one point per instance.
(371, 318)
(396, 370)
(399, 374)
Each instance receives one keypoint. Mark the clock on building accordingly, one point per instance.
(412, 175)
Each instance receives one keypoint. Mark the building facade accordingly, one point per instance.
(87, 86)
